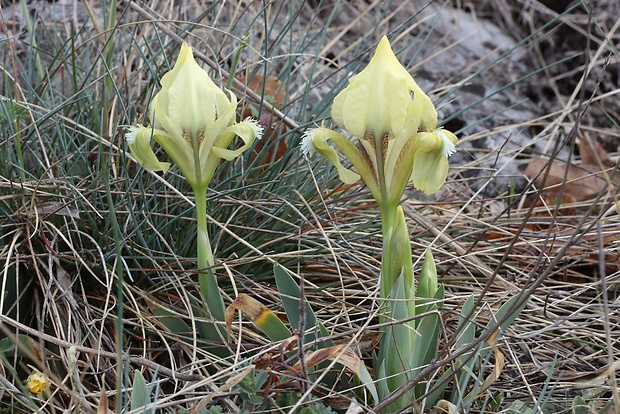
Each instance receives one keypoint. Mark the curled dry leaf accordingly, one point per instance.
(497, 368)
(444, 407)
(262, 317)
(339, 353)
(583, 181)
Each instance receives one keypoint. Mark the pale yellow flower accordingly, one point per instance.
(38, 383)
(193, 121)
(395, 124)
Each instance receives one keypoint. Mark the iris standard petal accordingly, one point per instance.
(188, 99)
(377, 99)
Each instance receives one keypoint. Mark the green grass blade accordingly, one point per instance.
(368, 382)
(140, 395)
(466, 328)
(291, 299)
(172, 322)
(504, 309)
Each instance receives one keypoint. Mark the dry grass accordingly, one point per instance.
(495, 233)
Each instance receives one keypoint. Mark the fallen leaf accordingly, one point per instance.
(261, 315)
(583, 181)
(272, 146)
(274, 89)
(444, 407)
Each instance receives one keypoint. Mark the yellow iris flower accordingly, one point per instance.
(395, 124)
(193, 121)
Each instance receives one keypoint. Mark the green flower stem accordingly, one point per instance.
(206, 278)
(399, 341)
(388, 221)
(396, 258)
(388, 215)
(388, 218)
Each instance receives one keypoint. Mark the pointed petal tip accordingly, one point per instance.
(186, 52)
(384, 44)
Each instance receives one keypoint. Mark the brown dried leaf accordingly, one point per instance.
(243, 303)
(497, 369)
(273, 127)
(582, 182)
(274, 90)
(593, 154)
(102, 408)
(339, 353)
(60, 209)
(289, 343)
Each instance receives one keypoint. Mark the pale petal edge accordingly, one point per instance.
(315, 140)
(248, 130)
(139, 140)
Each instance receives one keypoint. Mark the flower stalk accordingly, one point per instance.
(206, 278)
(394, 140)
(194, 122)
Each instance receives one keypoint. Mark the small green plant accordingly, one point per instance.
(141, 394)
(194, 122)
(395, 124)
